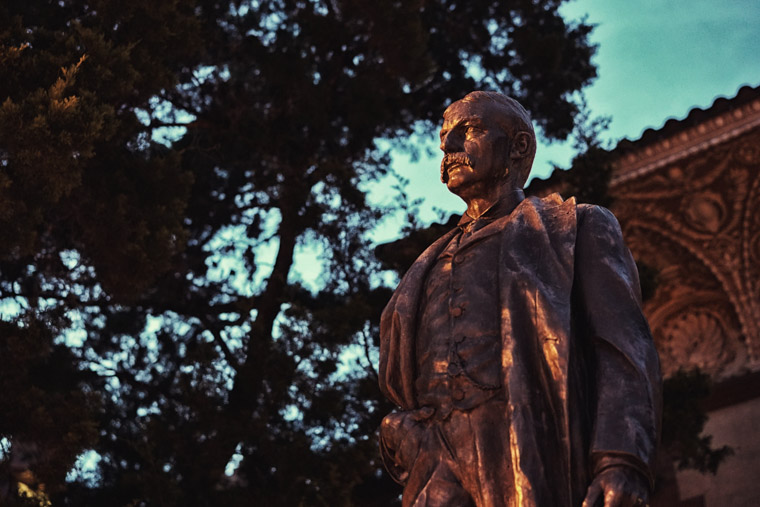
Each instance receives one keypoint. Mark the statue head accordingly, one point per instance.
(487, 138)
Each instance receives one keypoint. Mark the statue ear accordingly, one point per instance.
(520, 145)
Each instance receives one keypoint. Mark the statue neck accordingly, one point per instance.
(498, 194)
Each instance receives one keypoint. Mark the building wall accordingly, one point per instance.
(737, 483)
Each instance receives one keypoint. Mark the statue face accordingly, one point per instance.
(475, 148)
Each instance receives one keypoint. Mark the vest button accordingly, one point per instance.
(453, 369)
(457, 394)
(457, 311)
(459, 258)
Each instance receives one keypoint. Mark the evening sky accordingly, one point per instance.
(656, 59)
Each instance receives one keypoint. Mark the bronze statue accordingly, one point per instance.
(515, 346)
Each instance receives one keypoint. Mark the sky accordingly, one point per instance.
(656, 59)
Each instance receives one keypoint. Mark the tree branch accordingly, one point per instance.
(219, 340)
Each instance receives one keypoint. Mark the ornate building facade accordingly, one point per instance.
(688, 199)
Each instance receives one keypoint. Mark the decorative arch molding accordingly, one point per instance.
(750, 246)
(708, 204)
(694, 319)
(641, 230)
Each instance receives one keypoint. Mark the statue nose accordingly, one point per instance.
(452, 142)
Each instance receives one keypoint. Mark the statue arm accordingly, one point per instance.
(627, 406)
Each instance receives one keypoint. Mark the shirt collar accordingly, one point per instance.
(500, 208)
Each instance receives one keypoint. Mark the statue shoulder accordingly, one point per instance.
(555, 213)
(553, 204)
(586, 219)
(594, 217)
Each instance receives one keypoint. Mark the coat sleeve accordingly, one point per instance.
(626, 409)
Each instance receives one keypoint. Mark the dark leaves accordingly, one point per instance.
(154, 196)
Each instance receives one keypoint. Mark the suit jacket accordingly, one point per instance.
(579, 365)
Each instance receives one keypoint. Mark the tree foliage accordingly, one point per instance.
(683, 421)
(163, 165)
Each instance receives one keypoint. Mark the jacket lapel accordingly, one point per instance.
(398, 325)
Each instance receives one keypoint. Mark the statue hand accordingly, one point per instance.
(618, 486)
(401, 434)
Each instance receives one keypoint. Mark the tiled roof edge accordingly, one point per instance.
(676, 139)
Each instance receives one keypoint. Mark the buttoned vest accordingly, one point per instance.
(458, 348)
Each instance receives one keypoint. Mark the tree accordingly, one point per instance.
(162, 167)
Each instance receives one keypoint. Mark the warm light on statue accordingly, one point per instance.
(515, 347)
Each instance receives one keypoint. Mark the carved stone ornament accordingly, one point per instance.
(705, 211)
(695, 338)
(699, 216)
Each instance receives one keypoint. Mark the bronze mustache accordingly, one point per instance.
(452, 159)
